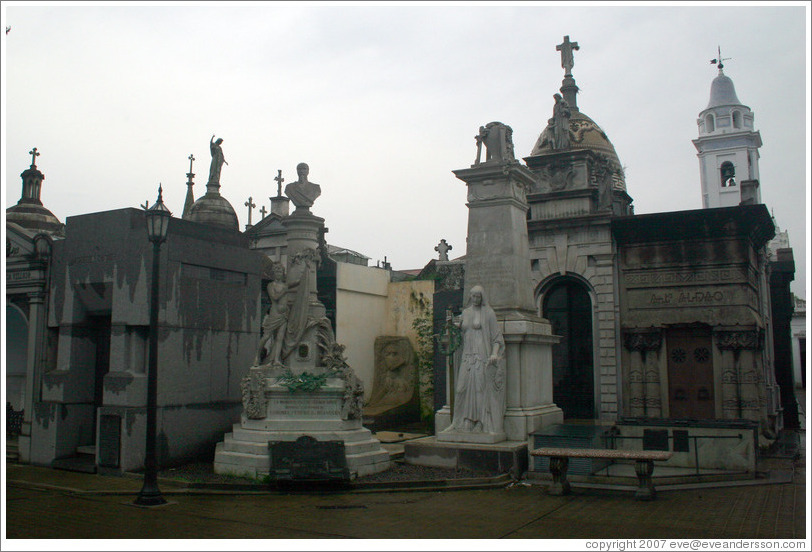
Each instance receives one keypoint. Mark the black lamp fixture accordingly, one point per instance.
(157, 218)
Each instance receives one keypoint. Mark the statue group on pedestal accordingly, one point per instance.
(274, 324)
(498, 140)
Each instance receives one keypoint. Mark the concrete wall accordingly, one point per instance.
(368, 305)
(406, 302)
(361, 315)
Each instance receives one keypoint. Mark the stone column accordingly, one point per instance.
(498, 259)
(743, 386)
(643, 376)
(36, 344)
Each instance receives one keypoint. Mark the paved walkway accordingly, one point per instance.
(45, 503)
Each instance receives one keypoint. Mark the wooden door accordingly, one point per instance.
(690, 373)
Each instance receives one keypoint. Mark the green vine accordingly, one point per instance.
(423, 325)
(303, 382)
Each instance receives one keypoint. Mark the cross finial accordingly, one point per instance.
(34, 154)
(567, 60)
(263, 211)
(191, 160)
(718, 61)
(279, 181)
(443, 248)
(250, 204)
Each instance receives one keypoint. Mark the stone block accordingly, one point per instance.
(504, 457)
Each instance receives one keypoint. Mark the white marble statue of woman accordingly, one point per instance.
(275, 322)
(479, 399)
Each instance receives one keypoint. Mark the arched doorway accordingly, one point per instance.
(16, 366)
(568, 307)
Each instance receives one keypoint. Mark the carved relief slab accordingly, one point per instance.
(678, 277)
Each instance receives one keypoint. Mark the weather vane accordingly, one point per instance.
(718, 61)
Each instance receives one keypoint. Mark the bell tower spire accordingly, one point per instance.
(727, 146)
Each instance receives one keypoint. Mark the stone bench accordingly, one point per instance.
(644, 467)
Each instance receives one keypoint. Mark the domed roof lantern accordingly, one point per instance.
(722, 90)
(29, 211)
(570, 129)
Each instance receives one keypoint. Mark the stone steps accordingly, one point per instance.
(319, 432)
(351, 447)
(12, 451)
(252, 458)
(84, 461)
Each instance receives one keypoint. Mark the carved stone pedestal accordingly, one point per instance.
(290, 415)
(528, 344)
(558, 468)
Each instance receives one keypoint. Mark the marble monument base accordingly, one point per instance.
(453, 436)
(530, 406)
(503, 457)
(245, 452)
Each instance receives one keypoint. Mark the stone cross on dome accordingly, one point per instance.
(567, 59)
(34, 154)
(250, 204)
(279, 181)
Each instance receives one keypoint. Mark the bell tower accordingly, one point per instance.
(727, 147)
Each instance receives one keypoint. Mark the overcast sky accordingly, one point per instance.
(383, 102)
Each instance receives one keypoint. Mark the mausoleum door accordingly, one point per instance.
(690, 373)
(100, 335)
(16, 357)
(568, 308)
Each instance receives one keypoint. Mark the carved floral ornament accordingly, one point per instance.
(579, 127)
(11, 250)
(643, 340)
(736, 340)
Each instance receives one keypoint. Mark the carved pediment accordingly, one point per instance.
(19, 242)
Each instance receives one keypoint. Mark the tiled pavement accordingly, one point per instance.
(43, 503)
(46, 503)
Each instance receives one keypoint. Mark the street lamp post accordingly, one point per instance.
(157, 224)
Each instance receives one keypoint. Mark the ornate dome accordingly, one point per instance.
(585, 134)
(722, 92)
(29, 211)
(34, 217)
(213, 209)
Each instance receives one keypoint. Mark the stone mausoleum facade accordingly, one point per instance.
(93, 392)
(665, 315)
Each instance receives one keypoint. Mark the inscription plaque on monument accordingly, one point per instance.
(307, 459)
(109, 440)
(305, 407)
